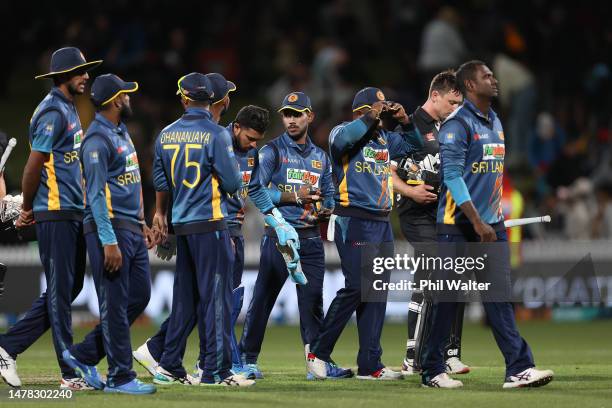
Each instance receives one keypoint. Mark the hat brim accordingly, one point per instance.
(127, 88)
(361, 107)
(231, 88)
(294, 108)
(86, 67)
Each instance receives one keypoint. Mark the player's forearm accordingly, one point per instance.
(471, 213)
(161, 202)
(259, 197)
(99, 210)
(351, 133)
(31, 178)
(399, 185)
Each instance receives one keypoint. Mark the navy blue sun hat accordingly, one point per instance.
(66, 60)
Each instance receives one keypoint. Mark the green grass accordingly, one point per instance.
(579, 353)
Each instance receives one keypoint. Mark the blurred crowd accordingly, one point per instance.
(552, 59)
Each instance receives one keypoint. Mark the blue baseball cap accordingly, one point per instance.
(195, 87)
(297, 101)
(367, 97)
(107, 87)
(220, 86)
(66, 60)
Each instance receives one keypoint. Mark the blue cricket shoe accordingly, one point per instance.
(88, 373)
(135, 387)
(334, 372)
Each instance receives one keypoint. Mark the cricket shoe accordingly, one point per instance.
(408, 367)
(442, 381)
(134, 387)
(88, 373)
(333, 372)
(75, 384)
(164, 377)
(8, 369)
(143, 356)
(316, 367)
(531, 377)
(456, 366)
(251, 372)
(384, 374)
(236, 380)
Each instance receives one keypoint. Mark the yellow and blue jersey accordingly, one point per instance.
(284, 166)
(472, 153)
(112, 180)
(55, 129)
(195, 161)
(361, 157)
(236, 202)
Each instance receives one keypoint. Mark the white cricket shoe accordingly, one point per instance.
(316, 366)
(443, 381)
(456, 366)
(143, 356)
(8, 369)
(236, 380)
(384, 374)
(531, 377)
(164, 377)
(75, 384)
(408, 367)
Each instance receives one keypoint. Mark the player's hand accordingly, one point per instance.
(485, 232)
(112, 258)
(152, 236)
(399, 113)
(324, 214)
(26, 218)
(161, 225)
(421, 194)
(306, 195)
(378, 107)
(284, 231)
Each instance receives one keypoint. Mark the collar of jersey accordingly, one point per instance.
(289, 141)
(56, 92)
(424, 115)
(198, 111)
(107, 123)
(468, 104)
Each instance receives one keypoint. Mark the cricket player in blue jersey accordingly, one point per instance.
(472, 161)
(53, 201)
(195, 164)
(117, 240)
(247, 128)
(298, 174)
(361, 152)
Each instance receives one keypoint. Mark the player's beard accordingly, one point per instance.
(74, 90)
(126, 112)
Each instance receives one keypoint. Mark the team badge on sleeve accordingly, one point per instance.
(93, 157)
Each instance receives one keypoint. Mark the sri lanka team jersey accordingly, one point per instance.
(194, 159)
(285, 166)
(361, 158)
(472, 144)
(237, 201)
(112, 179)
(55, 129)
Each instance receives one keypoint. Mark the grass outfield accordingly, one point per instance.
(579, 353)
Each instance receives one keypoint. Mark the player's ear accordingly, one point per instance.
(311, 116)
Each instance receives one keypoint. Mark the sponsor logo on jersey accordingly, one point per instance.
(429, 136)
(301, 176)
(251, 161)
(131, 162)
(77, 139)
(372, 155)
(121, 149)
(493, 151)
(246, 177)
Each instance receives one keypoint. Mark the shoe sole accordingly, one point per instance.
(463, 371)
(170, 383)
(537, 383)
(143, 364)
(116, 391)
(9, 384)
(445, 388)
